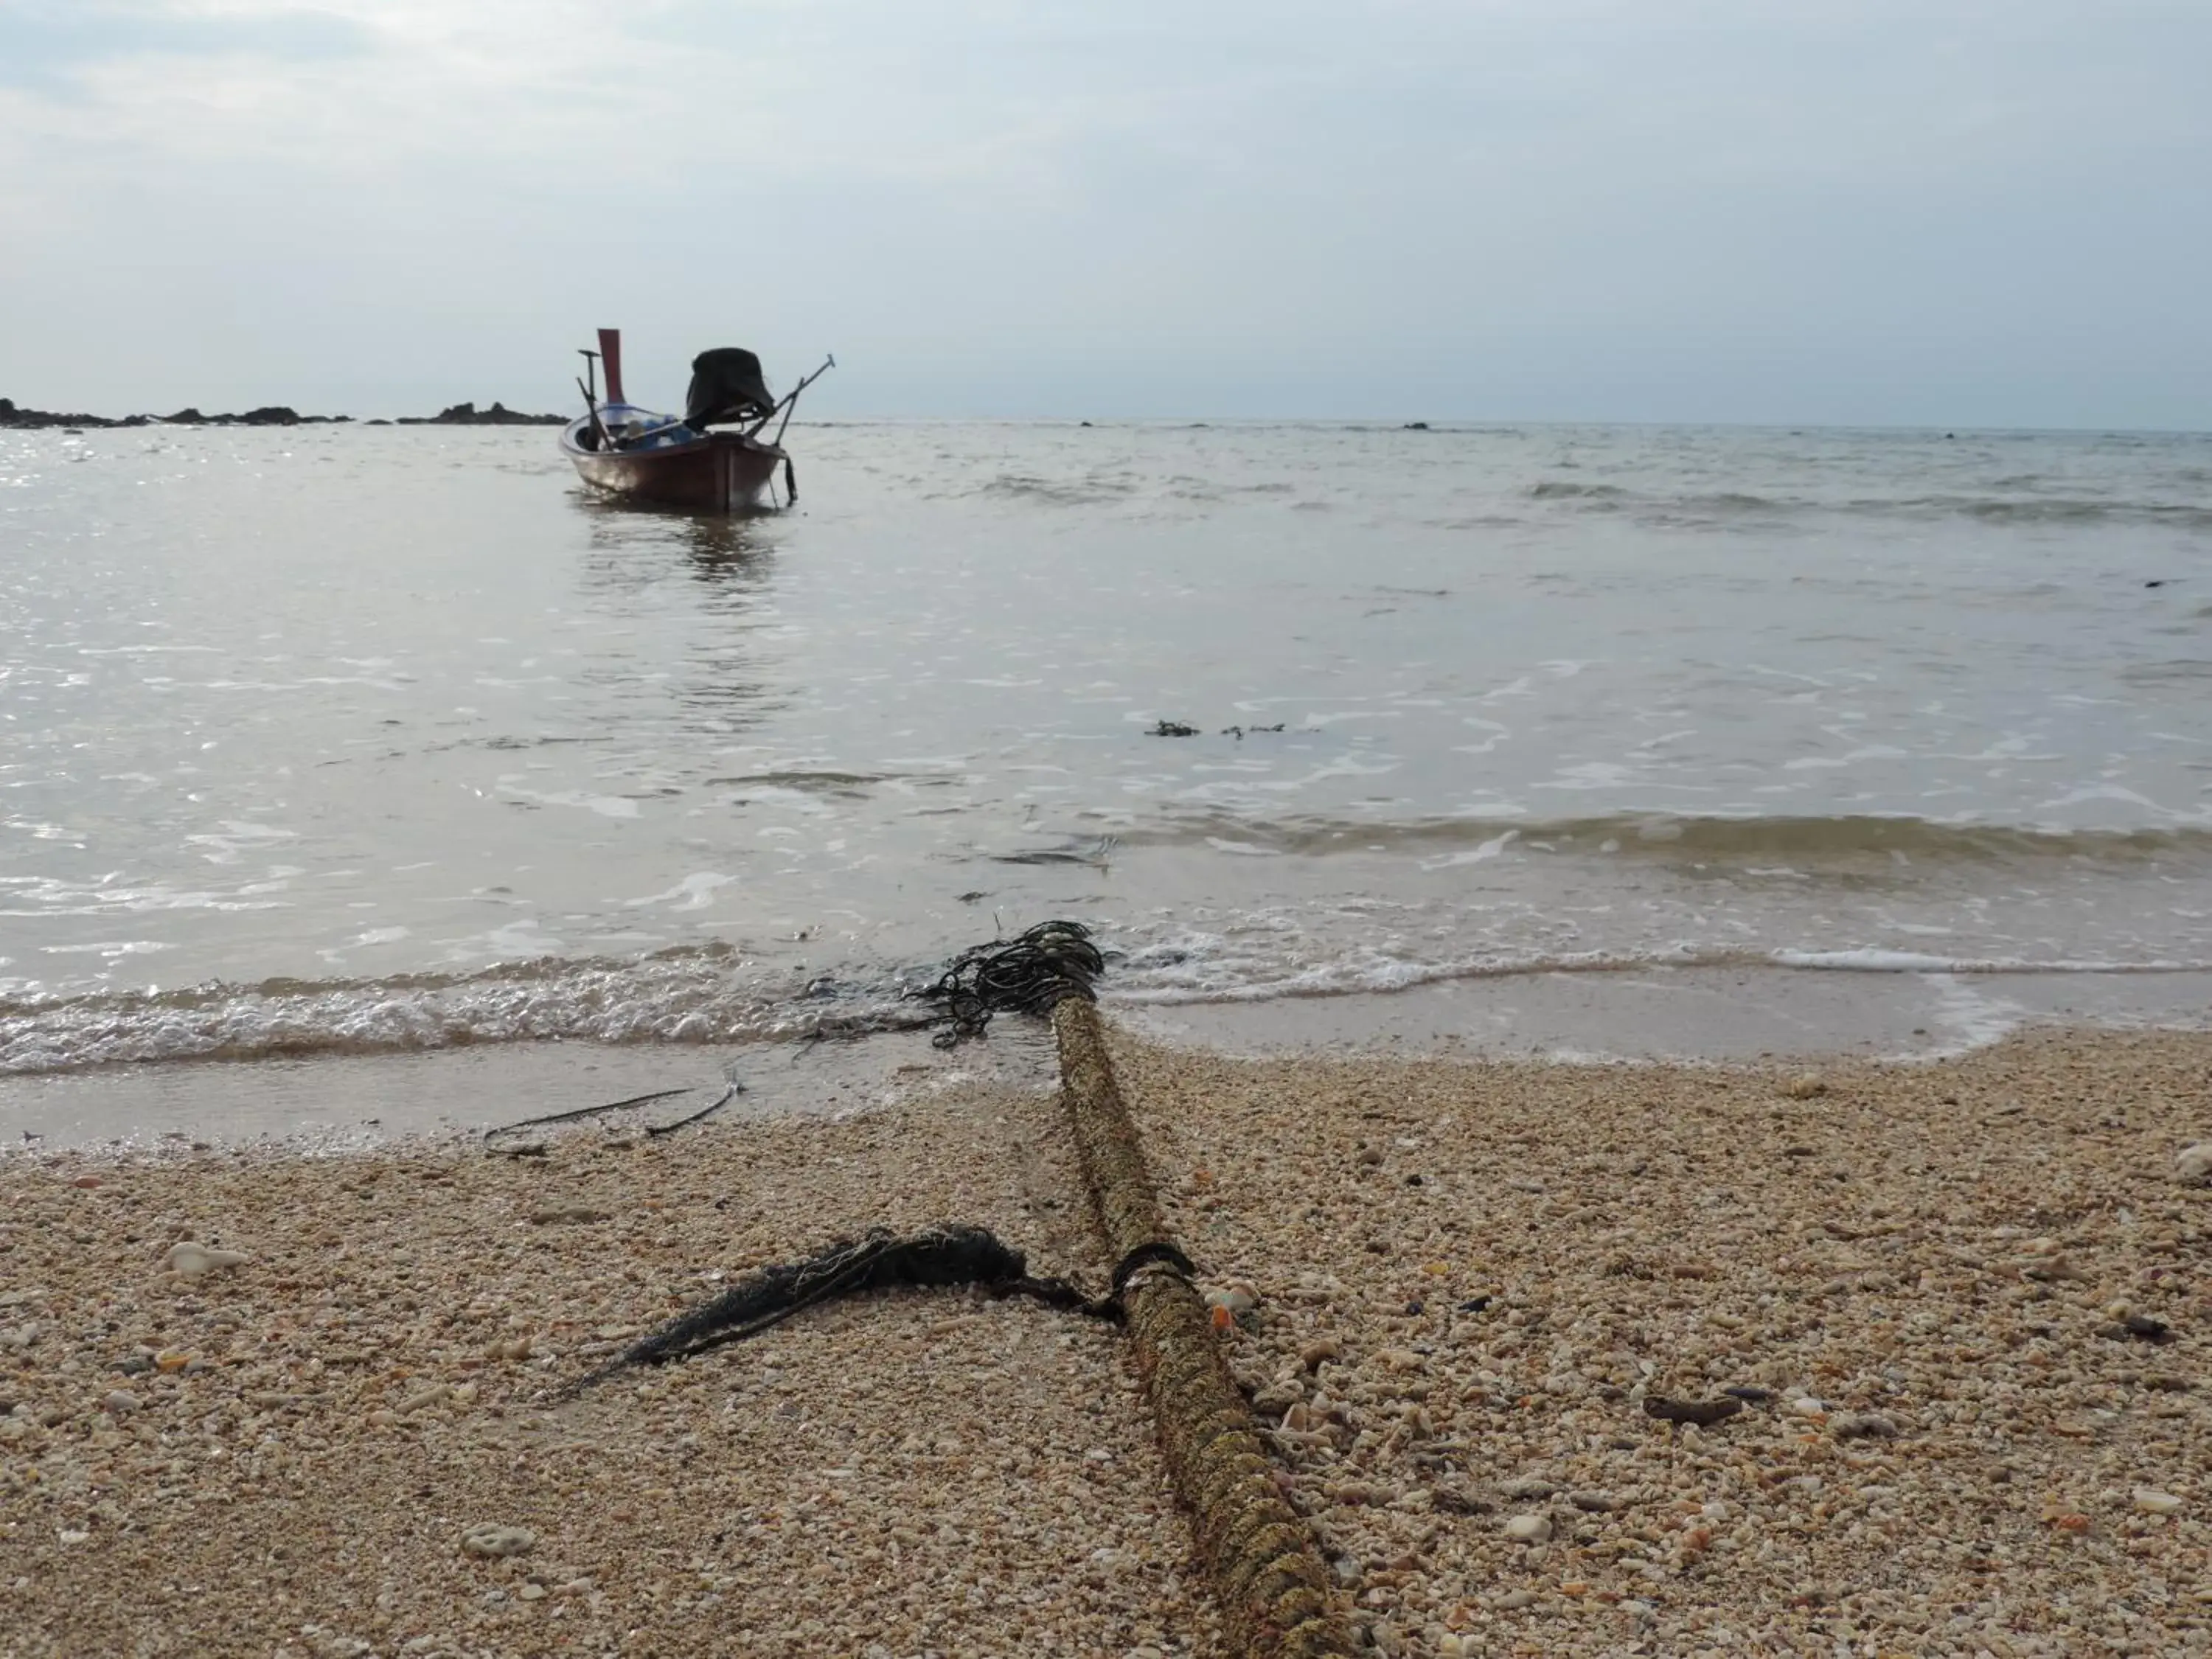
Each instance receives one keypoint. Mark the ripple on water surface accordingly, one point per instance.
(389, 737)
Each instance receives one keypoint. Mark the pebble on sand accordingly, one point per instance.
(488, 1539)
(2151, 1501)
(1236, 1298)
(190, 1258)
(1862, 1425)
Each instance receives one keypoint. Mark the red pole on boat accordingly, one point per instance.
(610, 356)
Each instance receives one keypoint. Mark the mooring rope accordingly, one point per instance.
(1276, 1593)
(1277, 1597)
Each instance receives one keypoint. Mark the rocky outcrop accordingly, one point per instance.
(271, 415)
(12, 417)
(469, 415)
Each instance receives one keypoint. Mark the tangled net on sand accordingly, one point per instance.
(954, 1254)
(1028, 974)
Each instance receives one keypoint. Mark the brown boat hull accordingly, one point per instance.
(719, 473)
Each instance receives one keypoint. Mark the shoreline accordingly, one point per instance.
(1711, 1016)
(1701, 1015)
(1468, 1276)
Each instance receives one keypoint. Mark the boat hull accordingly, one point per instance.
(722, 472)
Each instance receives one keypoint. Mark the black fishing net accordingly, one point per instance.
(950, 1255)
(1028, 973)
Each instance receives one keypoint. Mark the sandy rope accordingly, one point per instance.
(1276, 1594)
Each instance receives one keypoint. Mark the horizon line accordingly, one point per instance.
(1189, 421)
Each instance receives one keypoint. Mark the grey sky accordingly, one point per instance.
(1798, 210)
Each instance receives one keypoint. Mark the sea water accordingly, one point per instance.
(355, 740)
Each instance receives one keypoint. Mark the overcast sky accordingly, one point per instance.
(1882, 211)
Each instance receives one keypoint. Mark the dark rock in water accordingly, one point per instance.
(469, 415)
(36, 418)
(267, 414)
(1414, 426)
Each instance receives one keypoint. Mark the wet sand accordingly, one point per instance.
(1469, 1280)
(1689, 1014)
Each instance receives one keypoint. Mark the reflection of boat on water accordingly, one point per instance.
(677, 460)
(712, 543)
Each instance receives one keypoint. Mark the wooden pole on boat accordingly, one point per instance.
(611, 354)
(1277, 1597)
(592, 405)
(590, 389)
(789, 401)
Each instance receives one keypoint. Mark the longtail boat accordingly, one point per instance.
(676, 460)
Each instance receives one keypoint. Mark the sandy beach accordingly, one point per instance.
(1470, 1282)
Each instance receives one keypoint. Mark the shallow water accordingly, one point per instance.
(347, 740)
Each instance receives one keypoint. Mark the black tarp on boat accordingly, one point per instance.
(725, 385)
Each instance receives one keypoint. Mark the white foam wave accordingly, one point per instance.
(1481, 853)
(712, 996)
(693, 999)
(1874, 961)
(1210, 969)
